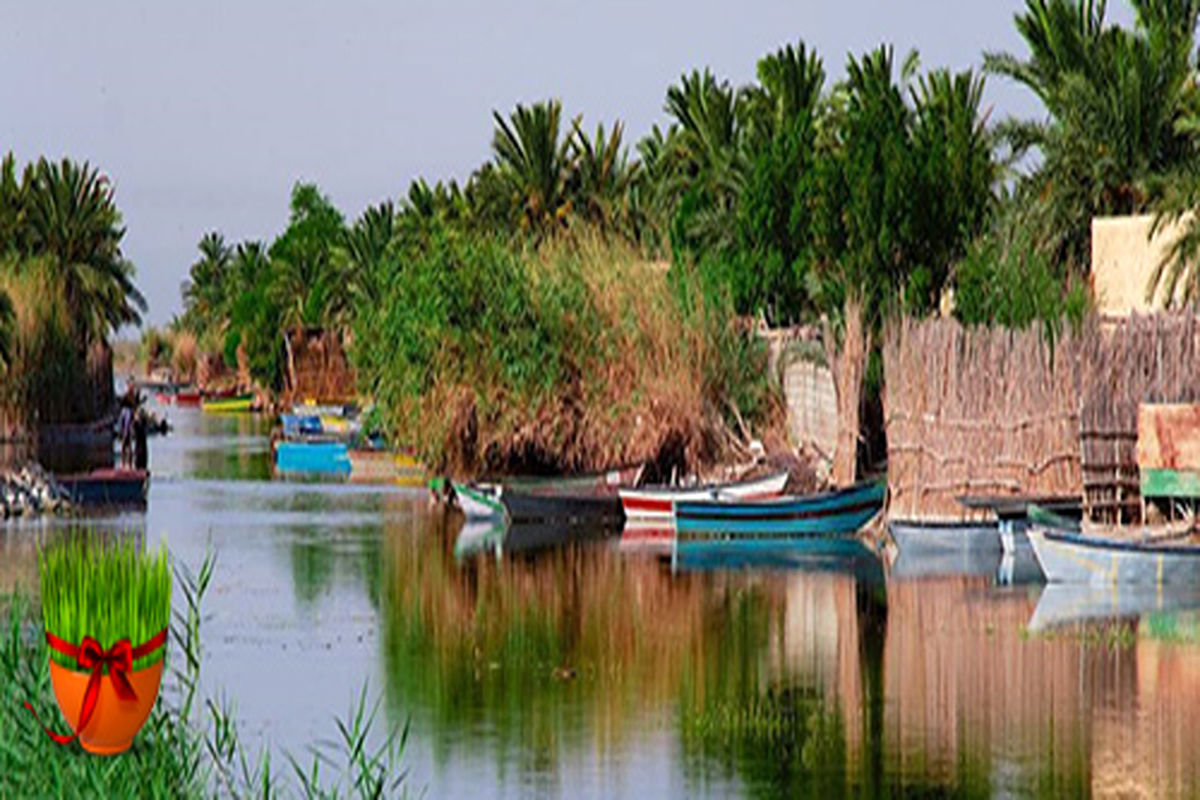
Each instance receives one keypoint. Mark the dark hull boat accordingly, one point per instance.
(593, 510)
(838, 513)
(105, 488)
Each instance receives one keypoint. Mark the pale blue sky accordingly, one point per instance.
(204, 114)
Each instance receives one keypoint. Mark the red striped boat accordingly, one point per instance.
(656, 503)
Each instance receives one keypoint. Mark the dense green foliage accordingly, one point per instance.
(792, 198)
(107, 590)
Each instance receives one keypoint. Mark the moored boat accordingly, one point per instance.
(831, 514)
(315, 459)
(478, 501)
(385, 466)
(657, 502)
(1068, 556)
(921, 537)
(596, 510)
(238, 404)
(106, 487)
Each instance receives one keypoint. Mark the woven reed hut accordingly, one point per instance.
(1014, 413)
(317, 367)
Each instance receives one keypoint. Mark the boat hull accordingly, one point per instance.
(657, 505)
(938, 538)
(592, 510)
(312, 459)
(478, 502)
(1074, 558)
(839, 513)
(107, 488)
(232, 405)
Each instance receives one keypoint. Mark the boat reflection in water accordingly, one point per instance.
(1063, 604)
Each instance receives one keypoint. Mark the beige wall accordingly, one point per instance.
(1124, 258)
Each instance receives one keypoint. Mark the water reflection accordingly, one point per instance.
(538, 663)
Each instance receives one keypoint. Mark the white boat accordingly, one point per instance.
(657, 503)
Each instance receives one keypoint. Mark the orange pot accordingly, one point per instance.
(114, 721)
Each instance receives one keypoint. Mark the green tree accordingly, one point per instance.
(602, 177)
(1117, 99)
(306, 284)
(206, 292)
(535, 161)
(70, 215)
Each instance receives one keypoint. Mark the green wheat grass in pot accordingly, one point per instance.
(106, 590)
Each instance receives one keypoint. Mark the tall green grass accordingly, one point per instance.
(104, 589)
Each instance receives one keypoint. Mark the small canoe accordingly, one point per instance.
(104, 488)
(239, 404)
(609, 482)
(314, 459)
(656, 503)
(837, 513)
(300, 425)
(189, 397)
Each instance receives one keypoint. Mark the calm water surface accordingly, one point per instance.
(595, 668)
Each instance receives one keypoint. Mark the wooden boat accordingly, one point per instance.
(300, 425)
(829, 514)
(935, 538)
(609, 482)
(189, 397)
(239, 404)
(657, 502)
(385, 466)
(478, 502)
(103, 488)
(596, 510)
(314, 459)
(1151, 555)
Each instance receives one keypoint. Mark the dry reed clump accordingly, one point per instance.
(635, 387)
(184, 356)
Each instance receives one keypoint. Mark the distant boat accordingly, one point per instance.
(105, 488)
(657, 502)
(238, 404)
(1146, 556)
(828, 514)
(314, 459)
(385, 466)
(187, 397)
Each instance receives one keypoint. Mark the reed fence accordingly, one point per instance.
(1001, 412)
(317, 367)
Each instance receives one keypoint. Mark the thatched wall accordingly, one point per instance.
(1151, 359)
(983, 412)
(1001, 412)
(317, 368)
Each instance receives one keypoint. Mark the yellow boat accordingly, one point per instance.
(228, 405)
(383, 466)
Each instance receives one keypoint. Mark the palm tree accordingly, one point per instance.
(71, 216)
(790, 82)
(1117, 101)
(602, 177)
(367, 247)
(206, 292)
(536, 161)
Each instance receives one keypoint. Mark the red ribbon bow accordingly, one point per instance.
(89, 655)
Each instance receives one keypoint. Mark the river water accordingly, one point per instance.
(598, 669)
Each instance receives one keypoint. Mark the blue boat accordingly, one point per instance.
(829, 514)
(316, 459)
(295, 425)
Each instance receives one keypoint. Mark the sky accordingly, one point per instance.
(205, 114)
